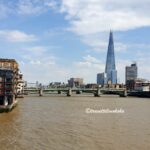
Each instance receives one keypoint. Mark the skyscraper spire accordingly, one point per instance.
(110, 75)
(110, 68)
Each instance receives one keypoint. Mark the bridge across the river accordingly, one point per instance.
(96, 92)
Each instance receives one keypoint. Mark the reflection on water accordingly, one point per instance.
(60, 123)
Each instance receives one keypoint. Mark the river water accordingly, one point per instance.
(61, 123)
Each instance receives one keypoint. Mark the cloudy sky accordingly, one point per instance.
(54, 40)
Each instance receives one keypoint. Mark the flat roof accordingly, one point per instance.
(8, 60)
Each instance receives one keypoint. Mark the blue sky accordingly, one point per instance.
(54, 40)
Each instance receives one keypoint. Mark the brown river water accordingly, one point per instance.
(61, 123)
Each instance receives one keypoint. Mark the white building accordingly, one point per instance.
(20, 85)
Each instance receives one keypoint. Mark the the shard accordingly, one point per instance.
(110, 69)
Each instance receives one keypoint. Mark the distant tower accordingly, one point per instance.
(110, 69)
(101, 78)
(131, 72)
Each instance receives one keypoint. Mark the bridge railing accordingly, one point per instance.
(96, 91)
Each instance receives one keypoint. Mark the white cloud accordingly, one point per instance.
(44, 71)
(43, 62)
(91, 59)
(90, 62)
(97, 42)
(93, 16)
(88, 68)
(37, 51)
(39, 64)
(35, 7)
(17, 36)
(52, 4)
(38, 55)
(120, 47)
(45, 74)
(28, 7)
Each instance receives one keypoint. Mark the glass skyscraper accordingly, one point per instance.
(101, 78)
(110, 69)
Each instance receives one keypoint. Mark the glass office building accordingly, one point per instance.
(101, 78)
(110, 69)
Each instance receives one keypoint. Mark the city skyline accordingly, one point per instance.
(56, 40)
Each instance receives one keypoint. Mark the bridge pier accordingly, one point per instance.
(59, 92)
(69, 92)
(78, 92)
(98, 93)
(40, 92)
(123, 94)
